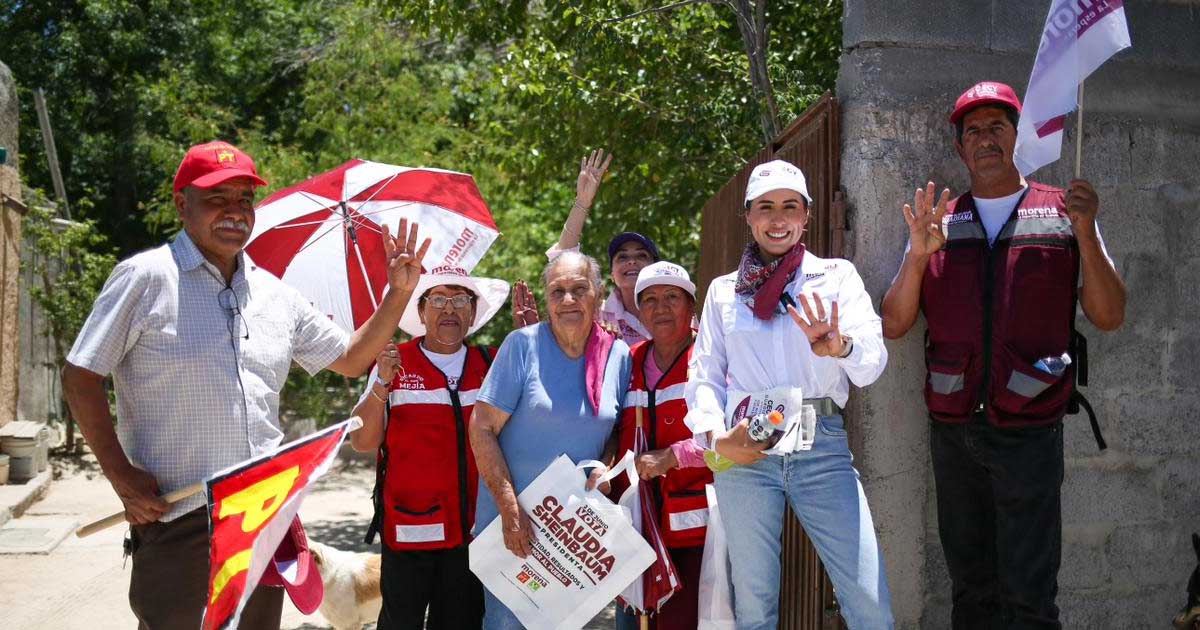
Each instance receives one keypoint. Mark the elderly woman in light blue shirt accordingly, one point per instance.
(540, 400)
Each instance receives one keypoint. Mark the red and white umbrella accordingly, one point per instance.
(324, 236)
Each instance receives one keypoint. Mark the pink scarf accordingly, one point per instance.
(595, 356)
(761, 284)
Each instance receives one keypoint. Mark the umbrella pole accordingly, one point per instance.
(363, 269)
(643, 619)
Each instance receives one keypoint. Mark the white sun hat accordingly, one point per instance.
(776, 175)
(663, 272)
(490, 295)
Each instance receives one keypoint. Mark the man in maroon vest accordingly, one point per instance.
(997, 272)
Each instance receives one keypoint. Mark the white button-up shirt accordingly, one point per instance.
(735, 351)
(193, 397)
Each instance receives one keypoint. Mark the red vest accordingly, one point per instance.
(429, 475)
(683, 505)
(995, 311)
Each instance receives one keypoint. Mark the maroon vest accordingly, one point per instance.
(993, 312)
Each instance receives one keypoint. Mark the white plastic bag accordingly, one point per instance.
(716, 585)
(584, 552)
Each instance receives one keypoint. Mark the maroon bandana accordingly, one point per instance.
(761, 283)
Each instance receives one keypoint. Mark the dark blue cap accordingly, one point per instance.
(624, 237)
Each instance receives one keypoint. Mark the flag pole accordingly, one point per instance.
(643, 619)
(176, 496)
(1079, 133)
(119, 517)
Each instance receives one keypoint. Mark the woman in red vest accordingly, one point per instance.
(416, 413)
(666, 300)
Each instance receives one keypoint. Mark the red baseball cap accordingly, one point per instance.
(211, 163)
(984, 93)
(295, 569)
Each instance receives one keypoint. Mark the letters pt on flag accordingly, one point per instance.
(251, 506)
(1079, 36)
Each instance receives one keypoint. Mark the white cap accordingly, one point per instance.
(663, 272)
(490, 295)
(776, 175)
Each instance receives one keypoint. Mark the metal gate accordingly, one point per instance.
(811, 142)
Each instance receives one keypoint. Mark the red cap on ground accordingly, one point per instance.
(295, 569)
(211, 163)
(984, 93)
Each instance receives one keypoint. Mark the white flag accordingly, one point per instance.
(1078, 37)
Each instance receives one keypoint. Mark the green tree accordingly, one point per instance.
(512, 92)
(668, 92)
(130, 83)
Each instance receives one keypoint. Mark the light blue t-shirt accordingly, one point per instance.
(543, 390)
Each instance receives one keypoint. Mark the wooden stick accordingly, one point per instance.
(643, 619)
(119, 517)
(1079, 133)
(60, 191)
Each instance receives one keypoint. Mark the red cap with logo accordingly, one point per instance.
(984, 93)
(211, 163)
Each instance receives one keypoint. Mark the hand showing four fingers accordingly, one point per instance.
(403, 256)
(924, 220)
(823, 333)
(524, 306)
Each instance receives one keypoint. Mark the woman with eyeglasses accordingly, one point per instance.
(416, 413)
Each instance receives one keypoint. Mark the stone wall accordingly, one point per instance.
(1127, 512)
(10, 238)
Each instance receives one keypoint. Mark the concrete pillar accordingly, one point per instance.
(1127, 513)
(10, 239)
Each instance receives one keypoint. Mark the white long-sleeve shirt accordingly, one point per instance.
(735, 351)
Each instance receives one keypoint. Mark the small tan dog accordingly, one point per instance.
(351, 583)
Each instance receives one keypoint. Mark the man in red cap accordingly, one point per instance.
(997, 272)
(199, 341)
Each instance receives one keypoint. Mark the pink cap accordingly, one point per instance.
(295, 569)
(984, 93)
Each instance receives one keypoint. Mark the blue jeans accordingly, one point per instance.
(497, 616)
(823, 489)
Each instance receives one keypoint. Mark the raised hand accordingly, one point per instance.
(591, 172)
(823, 333)
(924, 220)
(524, 307)
(403, 256)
